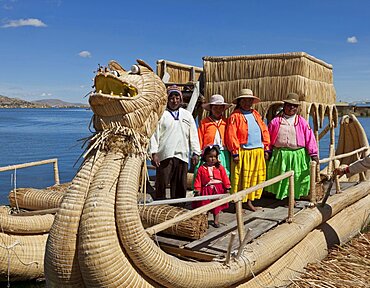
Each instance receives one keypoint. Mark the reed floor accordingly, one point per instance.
(215, 243)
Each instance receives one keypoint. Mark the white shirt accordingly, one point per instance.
(175, 138)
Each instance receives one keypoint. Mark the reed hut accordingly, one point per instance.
(272, 77)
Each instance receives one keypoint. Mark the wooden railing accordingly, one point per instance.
(237, 198)
(36, 163)
(330, 160)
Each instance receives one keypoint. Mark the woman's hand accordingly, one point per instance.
(236, 159)
(340, 171)
(155, 160)
(315, 158)
(195, 159)
(267, 155)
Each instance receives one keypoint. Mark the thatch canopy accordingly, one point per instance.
(272, 77)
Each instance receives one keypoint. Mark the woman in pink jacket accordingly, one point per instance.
(293, 147)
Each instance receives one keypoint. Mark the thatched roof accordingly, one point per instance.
(272, 77)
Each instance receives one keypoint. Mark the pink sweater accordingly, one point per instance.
(304, 134)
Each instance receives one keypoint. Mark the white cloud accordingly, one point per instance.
(46, 94)
(352, 40)
(7, 7)
(24, 22)
(85, 54)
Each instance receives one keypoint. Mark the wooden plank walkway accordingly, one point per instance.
(216, 241)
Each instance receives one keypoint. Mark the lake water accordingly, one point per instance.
(36, 134)
(28, 135)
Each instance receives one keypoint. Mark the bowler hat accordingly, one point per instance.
(292, 98)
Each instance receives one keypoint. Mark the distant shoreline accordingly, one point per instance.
(49, 107)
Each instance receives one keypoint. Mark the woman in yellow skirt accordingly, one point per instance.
(247, 139)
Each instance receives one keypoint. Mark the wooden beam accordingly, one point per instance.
(186, 253)
(324, 131)
(37, 212)
(340, 156)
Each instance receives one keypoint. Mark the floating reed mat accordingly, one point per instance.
(345, 267)
(270, 76)
(193, 228)
(37, 199)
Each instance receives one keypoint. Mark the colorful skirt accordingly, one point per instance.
(283, 160)
(213, 189)
(250, 171)
(224, 158)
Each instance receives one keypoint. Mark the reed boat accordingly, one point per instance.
(98, 238)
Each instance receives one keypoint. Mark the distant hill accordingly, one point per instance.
(7, 102)
(59, 103)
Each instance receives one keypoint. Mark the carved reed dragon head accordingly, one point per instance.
(127, 104)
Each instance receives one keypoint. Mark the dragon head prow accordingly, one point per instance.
(133, 99)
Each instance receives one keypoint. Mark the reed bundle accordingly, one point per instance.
(193, 228)
(37, 199)
(345, 267)
(270, 76)
(179, 73)
(13, 224)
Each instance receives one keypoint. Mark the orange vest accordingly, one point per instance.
(237, 131)
(207, 131)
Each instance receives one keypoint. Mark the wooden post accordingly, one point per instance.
(239, 220)
(245, 241)
(56, 173)
(336, 180)
(331, 163)
(291, 199)
(332, 134)
(313, 195)
(192, 74)
(232, 237)
(318, 155)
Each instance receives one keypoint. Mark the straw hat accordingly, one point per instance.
(292, 98)
(247, 93)
(216, 99)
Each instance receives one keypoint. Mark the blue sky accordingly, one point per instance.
(50, 48)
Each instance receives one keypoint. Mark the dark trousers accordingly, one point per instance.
(172, 171)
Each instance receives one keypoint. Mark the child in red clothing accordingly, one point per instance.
(211, 179)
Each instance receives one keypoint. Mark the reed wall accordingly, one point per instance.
(270, 76)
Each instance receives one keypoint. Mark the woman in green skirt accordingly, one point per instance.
(293, 147)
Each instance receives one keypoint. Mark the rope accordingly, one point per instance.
(15, 189)
(8, 250)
